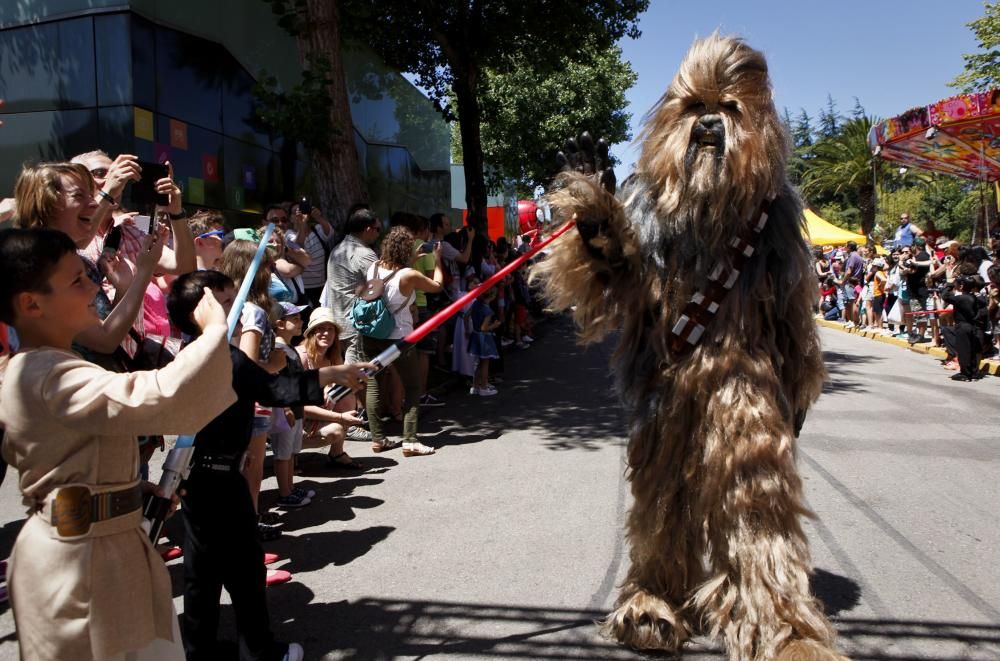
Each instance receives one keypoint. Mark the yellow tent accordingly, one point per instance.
(822, 232)
(825, 233)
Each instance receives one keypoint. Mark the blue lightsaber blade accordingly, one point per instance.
(177, 465)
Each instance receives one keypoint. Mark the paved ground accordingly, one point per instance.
(507, 543)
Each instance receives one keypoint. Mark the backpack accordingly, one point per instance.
(370, 313)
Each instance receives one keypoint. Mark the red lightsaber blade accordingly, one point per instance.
(389, 356)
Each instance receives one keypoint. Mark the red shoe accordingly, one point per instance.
(169, 553)
(276, 577)
(271, 558)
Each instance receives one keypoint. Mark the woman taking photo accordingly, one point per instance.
(401, 283)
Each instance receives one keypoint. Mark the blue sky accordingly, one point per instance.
(891, 55)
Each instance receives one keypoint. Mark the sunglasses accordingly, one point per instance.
(99, 173)
(212, 233)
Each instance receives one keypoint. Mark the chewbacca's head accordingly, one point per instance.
(713, 144)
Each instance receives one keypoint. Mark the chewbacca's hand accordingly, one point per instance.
(594, 160)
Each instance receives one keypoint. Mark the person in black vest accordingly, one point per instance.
(965, 338)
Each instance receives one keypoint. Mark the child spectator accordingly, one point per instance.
(208, 230)
(828, 295)
(482, 341)
(330, 424)
(222, 546)
(256, 341)
(286, 425)
(90, 585)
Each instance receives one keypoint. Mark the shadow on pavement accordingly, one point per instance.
(545, 388)
(841, 367)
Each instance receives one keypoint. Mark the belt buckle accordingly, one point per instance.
(71, 512)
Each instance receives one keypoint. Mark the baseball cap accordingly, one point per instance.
(286, 309)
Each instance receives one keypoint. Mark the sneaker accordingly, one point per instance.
(294, 653)
(304, 493)
(293, 500)
(521, 345)
(276, 577)
(359, 434)
(506, 341)
(488, 391)
(527, 338)
(430, 400)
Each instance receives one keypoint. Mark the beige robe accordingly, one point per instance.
(69, 421)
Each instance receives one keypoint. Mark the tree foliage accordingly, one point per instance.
(528, 113)
(301, 114)
(450, 45)
(982, 70)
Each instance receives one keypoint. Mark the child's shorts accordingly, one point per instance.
(286, 444)
(261, 420)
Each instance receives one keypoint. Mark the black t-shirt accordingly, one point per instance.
(916, 281)
(230, 432)
(966, 307)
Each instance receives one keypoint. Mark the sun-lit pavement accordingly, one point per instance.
(507, 543)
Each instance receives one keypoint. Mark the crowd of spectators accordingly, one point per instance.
(149, 270)
(924, 287)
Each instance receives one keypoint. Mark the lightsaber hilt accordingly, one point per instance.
(177, 466)
(176, 469)
(379, 362)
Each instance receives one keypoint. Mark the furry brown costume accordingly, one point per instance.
(714, 531)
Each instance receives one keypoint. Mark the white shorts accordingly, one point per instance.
(287, 443)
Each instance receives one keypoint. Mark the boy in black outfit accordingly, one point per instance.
(221, 546)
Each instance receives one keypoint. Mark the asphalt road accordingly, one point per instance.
(507, 544)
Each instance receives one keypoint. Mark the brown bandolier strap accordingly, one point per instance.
(74, 508)
(703, 306)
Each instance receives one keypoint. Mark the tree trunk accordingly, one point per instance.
(469, 117)
(866, 200)
(336, 171)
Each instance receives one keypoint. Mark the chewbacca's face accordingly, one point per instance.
(715, 135)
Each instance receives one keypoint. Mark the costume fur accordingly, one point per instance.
(715, 534)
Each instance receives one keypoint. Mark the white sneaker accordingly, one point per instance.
(488, 391)
(506, 341)
(294, 653)
(527, 338)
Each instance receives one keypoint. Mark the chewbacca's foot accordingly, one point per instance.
(646, 622)
(807, 650)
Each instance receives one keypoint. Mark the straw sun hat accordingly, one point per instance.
(321, 316)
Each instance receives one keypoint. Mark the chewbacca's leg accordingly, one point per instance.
(757, 595)
(665, 563)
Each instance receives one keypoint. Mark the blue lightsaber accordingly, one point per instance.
(177, 465)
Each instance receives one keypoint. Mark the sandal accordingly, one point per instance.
(417, 450)
(349, 465)
(383, 444)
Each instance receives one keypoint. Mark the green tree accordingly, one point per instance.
(317, 112)
(829, 119)
(450, 45)
(842, 165)
(982, 70)
(802, 132)
(953, 205)
(529, 113)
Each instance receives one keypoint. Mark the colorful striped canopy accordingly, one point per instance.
(958, 136)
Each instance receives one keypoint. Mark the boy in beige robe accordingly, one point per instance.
(85, 582)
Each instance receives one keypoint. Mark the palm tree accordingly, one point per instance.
(842, 165)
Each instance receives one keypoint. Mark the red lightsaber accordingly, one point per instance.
(389, 356)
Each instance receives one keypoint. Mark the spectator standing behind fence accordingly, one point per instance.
(401, 281)
(313, 232)
(915, 270)
(346, 269)
(854, 269)
(906, 232)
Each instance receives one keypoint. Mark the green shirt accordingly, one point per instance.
(424, 264)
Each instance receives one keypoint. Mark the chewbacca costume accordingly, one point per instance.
(716, 380)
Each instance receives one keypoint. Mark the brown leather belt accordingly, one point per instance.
(73, 509)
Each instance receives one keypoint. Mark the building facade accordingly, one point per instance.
(174, 81)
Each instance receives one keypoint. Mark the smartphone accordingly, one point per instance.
(305, 206)
(112, 241)
(429, 246)
(144, 191)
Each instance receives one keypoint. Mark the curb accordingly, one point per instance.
(988, 366)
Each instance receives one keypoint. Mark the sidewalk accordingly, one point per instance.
(989, 366)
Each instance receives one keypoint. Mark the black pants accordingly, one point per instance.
(963, 340)
(222, 549)
(312, 295)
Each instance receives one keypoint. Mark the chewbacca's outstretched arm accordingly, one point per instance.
(588, 267)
